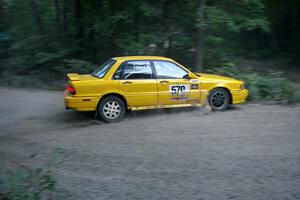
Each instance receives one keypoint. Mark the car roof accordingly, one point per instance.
(125, 58)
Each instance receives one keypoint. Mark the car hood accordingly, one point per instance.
(215, 78)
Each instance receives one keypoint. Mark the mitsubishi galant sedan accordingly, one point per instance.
(148, 82)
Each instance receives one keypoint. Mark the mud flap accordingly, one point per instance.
(203, 97)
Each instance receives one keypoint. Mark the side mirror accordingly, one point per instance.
(190, 75)
(186, 76)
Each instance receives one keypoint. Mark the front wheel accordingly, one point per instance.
(218, 99)
(111, 109)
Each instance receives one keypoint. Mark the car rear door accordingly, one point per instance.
(138, 84)
(174, 86)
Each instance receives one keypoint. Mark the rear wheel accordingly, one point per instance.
(111, 109)
(219, 99)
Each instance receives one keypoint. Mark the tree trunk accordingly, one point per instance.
(170, 46)
(163, 27)
(91, 44)
(65, 21)
(79, 27)
(37, 18)
(57, 16)
(2, 17)
(136, 22)
(3, 52)
(199, 36)
(112, 35)
(199, 51)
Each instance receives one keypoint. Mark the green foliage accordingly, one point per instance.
(28, 184)
(31, 184)
(224, 24)
(40, 41)
(44, 33)
(272, 87)
(240, 16)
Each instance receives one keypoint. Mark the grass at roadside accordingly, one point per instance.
(271, 87)
(31, 183)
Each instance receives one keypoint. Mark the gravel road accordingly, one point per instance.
(250, 151)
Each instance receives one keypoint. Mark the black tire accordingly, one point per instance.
(111, 109)
(218, 99)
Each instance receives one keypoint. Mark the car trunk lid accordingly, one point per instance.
(76, 77)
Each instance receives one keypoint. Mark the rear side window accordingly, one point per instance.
(137, 70)
(103, 69)
(168, 70)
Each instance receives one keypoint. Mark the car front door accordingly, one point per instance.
(174, 86)
(138, 84)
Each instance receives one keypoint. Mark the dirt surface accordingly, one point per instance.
(250, 151)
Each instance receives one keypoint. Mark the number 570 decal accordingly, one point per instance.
(178, 89)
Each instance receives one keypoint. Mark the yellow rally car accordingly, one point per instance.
(147, 82)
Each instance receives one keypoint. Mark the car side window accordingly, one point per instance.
(137, 70)
(168, 70)
(118, 73)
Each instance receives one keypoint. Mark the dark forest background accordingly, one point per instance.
(43, 40)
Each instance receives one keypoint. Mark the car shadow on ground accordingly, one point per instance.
(157, 112)
(89, 118)
(233, 108)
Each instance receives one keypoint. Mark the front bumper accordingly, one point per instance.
(239, 96)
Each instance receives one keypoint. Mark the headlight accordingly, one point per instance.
(242, 86)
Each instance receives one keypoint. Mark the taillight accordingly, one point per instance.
(71, 89)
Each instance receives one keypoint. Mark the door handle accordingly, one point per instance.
(164, 81)
(127, 82)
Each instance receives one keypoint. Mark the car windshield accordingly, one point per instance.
(103, 69)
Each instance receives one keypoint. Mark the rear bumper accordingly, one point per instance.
(81, 103)
(239, 96)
